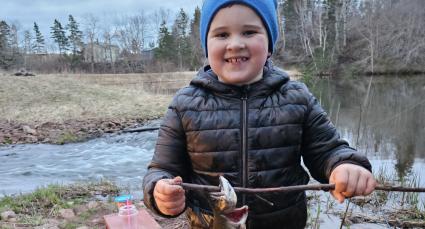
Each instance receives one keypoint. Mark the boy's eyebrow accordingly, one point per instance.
(249, 26)
(218, 29)
(246, 26)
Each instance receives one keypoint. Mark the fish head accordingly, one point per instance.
(224, 206)
(225, 200)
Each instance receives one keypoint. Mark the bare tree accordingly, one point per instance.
(91, 31)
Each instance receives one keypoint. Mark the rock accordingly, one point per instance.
(92, 204)
(23, 72)
(67, 213)
(6, 215)
(12, 220)
(82, 227)
(47, 226)
(80, 209)
(53, 222)
(97, 221)
(29, 130)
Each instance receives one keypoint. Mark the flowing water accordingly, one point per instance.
(120, 158)
(381, 117)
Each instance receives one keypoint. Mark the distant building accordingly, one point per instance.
(147, 54)
(101, 52)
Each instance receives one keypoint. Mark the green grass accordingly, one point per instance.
(47, 201)
(67, 137)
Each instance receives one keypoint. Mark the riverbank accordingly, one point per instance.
(60, 109)
(12, 132)
(83, 205)
(76, 206)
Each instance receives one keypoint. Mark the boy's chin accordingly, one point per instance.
(237, 79)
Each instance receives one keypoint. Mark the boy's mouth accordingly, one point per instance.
(234, 60)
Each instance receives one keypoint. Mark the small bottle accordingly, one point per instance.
(123, 200)
(128, 215)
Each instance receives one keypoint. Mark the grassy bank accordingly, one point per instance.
(55, 98)
(66, 108)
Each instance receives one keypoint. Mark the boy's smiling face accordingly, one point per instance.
(237, 45)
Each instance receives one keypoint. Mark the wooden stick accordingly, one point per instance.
(324, 187)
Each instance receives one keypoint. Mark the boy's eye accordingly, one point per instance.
(222, 35)
(249, 32)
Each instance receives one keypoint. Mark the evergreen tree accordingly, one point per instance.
(4, 36)
(197, 55)
(39, 40)
(58, 35)
(182, 40)
(6, 57)
(290, 27)
(165, 50)
(75, 35)
(28, 42)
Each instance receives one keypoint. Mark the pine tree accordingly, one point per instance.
(165, 50)
(75, 35)
(4, 36)
(197, 55)
(28, 42)
(6, 57)
(182, 40)
(58, 35)
(39, 40)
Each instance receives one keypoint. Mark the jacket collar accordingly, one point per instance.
(273, 79)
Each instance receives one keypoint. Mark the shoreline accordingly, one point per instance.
(68, 131)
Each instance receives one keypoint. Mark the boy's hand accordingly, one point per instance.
(351, 180)
(169, 196)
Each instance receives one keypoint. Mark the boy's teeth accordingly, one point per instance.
(235, 60)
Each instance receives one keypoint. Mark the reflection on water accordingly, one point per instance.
(380, 116)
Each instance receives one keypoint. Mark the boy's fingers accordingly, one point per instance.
(177, 180)
(371, 185)
(172, 211)
(168, 198)
(339, 178)
(361, 186)
(351, 186)
(167, 187)
(338, 196)
(171, 204)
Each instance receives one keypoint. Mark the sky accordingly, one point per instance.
(44, 12)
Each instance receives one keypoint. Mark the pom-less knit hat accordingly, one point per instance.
(266, 9)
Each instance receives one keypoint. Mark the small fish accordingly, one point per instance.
(226, 215)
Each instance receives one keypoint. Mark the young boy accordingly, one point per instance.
(243, 118)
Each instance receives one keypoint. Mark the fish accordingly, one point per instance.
(226, 215)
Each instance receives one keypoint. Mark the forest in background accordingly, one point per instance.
(321, 37)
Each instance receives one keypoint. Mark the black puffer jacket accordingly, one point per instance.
(255, 136)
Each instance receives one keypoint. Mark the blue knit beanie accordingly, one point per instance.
(266, 9)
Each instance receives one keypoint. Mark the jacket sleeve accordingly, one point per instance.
(170, 158)
(322, 148)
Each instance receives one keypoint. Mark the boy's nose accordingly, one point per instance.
(235, 43)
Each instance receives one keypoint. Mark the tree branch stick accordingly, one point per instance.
(324, 187)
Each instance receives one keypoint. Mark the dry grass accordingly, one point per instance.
(56, 98)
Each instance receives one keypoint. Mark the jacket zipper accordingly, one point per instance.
(244, 150)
